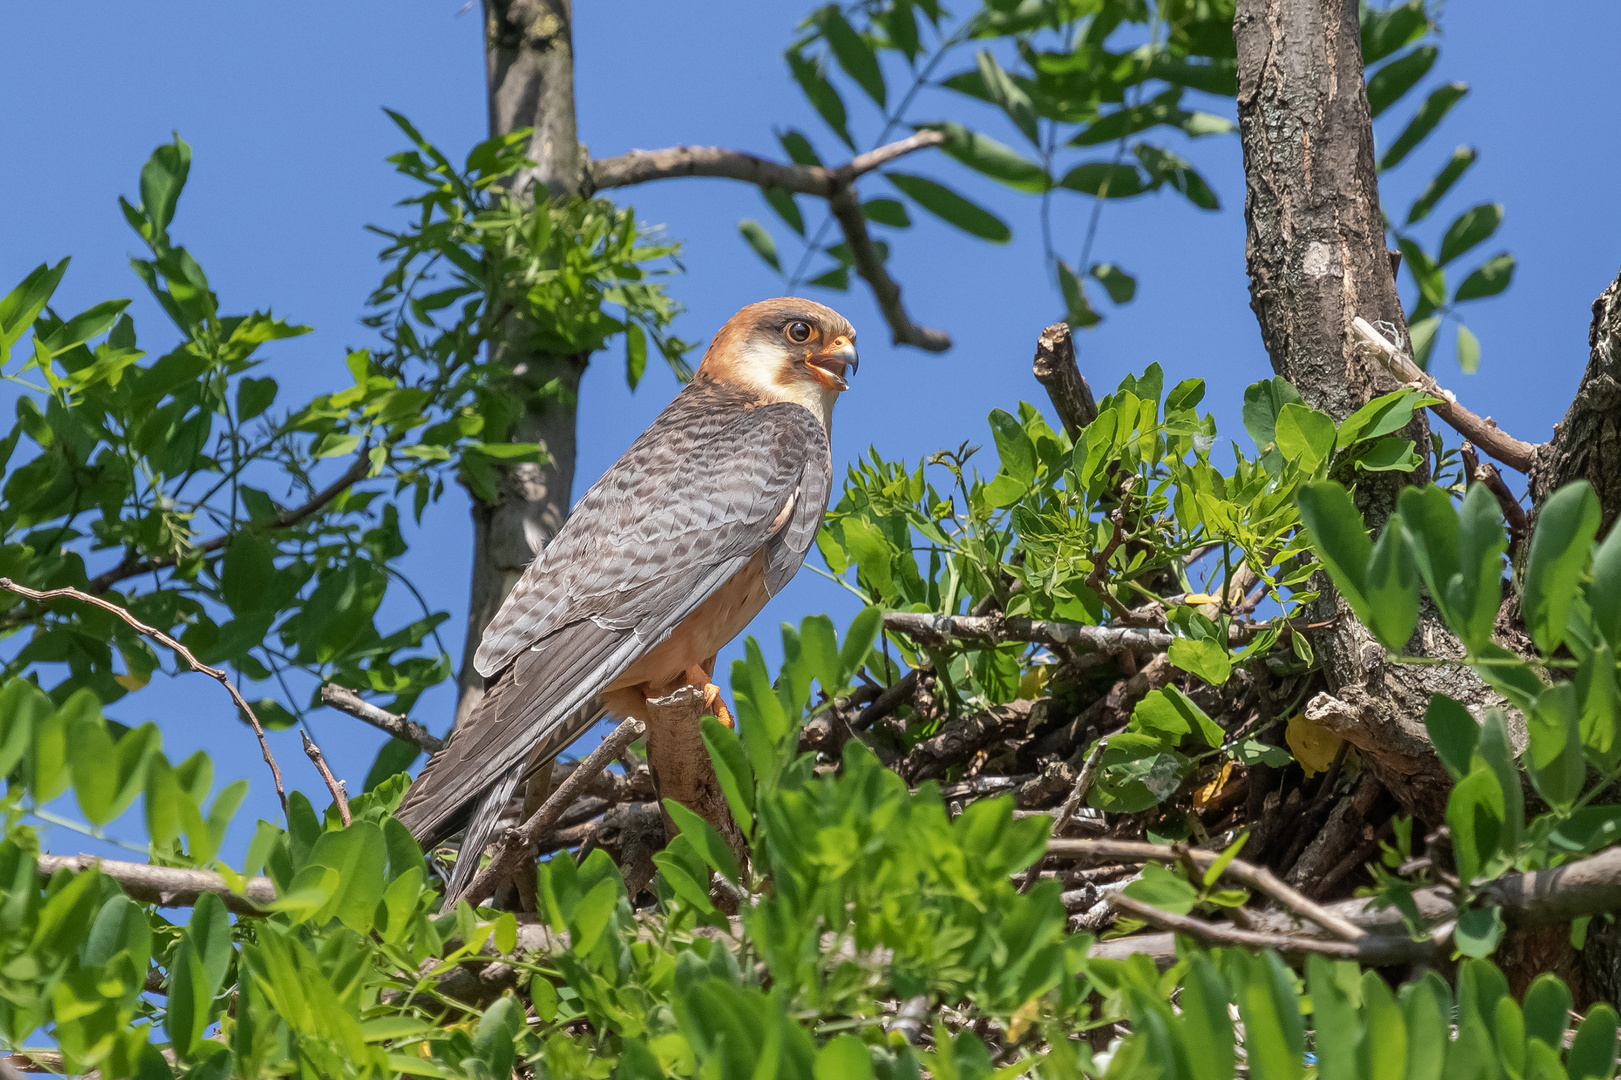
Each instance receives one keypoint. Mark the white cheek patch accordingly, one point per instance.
(762, 368)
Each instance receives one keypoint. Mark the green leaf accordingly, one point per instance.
(951, 207)
(844, 1057)
(1172, 712)
(1489, 279)
(1120, 286)
(891, 212)
(783, 203)
(1262, 403)
(1422, 336)
(1164, 890)
(1604, 589)
(1478, 931)
(731, 769)
(162, 179)
(1106, 180)
(1431, 113)
(852, 52)
(859, 640)
(1547, 1010)
(1471, 227)
(1013, 445)
(23, 706)
(1475, 815)
(1164, 167)
(1554, 759)
(1340, 540)
(22, 305)
(1453, 732)
(1305, 436)
(708, 843)
(1391, 587)
(1205, 658)
(1334, 1016)
(636, 349)
(1078, 311)
(798, 148)
(1399, 76)
(1558, 556)
(812, 79)
(358, 854)
(985, 155)
(1592, 1054)
(1468, 350)
(1388, 29)
(761, 242)
(1462, 158)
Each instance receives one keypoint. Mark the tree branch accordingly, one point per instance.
(1482, 431)
(514, 843)
(1370, 951)
(166, 886)
(836, 185)
(396, 724)
(285, 520)
(1055, 368)
(39, 596)
(997, 629)
(340, 798)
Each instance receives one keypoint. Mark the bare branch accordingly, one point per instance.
(1482, 431)
(396, 724)
(1055, 368)
(167, 886)
(645, 166)
(285, 520)
(153, 632)
(833, 184)
(333, 784)
(997, 629)
(1478, 472)
(847, 209)
(1083, 784)
(1368, 950)
(514, 843)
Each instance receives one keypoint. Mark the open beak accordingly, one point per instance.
(828, 366)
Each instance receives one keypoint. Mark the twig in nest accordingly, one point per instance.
(1257, 877)
(346, 700)
(509, 850)
(1517, 454)
(40, 596)
(1214, 934)
(1083, 784)
(333, 784)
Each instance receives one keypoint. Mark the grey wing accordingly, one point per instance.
(675, 519)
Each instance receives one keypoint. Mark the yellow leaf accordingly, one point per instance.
(1195, 599)
(1207, 794)
(1313, 745)
(1022, 1019)
(1034, 682)
(130, 682)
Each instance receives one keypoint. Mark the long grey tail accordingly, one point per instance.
(481, 827)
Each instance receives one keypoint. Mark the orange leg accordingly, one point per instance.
(703, 675)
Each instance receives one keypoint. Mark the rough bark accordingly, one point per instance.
(1316, 257)
(529, 65)
(681, 768)
(1586, 444)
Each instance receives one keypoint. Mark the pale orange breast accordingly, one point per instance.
(703, 633)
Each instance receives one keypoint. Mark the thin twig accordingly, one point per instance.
(40, 596)
(1375, 949)
(1257, 877)
(1083, 784)
(509, 850)
(333, 784)
(846, 209)
(396, 724)
(1479, 472)
(1517, 454)
(285, 520)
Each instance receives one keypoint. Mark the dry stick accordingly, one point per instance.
(1373, 950)
(1083, 784)
(334, 785)
(153, 632)
(167, 886)
(509, 850)
(1055, 368)
(995, 629)
(1482, 431)
(1478, 472)
(285, 520)
(834, 185)
(346, 700)
(1257, 877)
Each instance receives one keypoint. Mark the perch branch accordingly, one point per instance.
(396, 724)
(285, 520)
(166, 886)
(996, 629)
(1055, 368)
(39, 596)
(1482, 431)
(340, 798)
(510, 849)
(833, 184)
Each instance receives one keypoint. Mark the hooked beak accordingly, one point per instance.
(827, 367)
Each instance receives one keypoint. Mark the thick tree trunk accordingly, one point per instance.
(1586, 445)
(1317, 258)
(529, 64)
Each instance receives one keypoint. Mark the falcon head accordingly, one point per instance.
(786, 349)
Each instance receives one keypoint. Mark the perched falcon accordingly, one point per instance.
(665, 560)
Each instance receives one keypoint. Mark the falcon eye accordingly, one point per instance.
(798, 332)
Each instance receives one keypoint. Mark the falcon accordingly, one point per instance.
(665, 560)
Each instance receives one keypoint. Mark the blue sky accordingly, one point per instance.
(282, 105)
